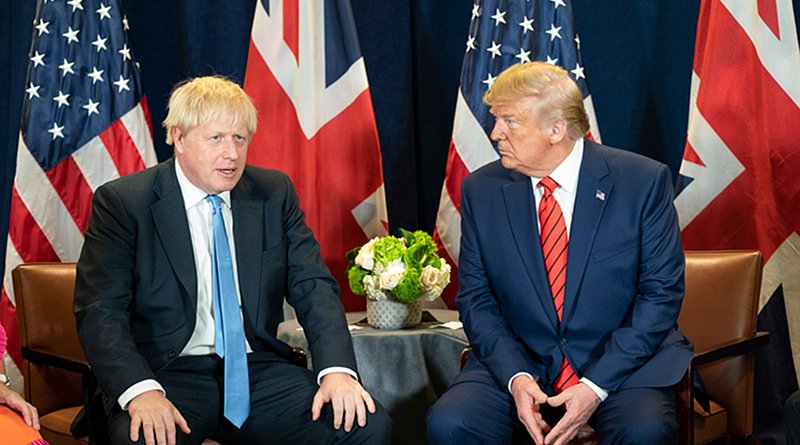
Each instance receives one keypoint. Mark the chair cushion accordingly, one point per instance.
(55, 427)
(711, 425)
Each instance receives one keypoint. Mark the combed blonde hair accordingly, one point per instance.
(203, 99)
(557, 95)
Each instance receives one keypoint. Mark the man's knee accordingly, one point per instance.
(651, 430)
(378, 429)
(452, 424)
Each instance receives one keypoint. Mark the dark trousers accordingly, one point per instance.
(476, 410)
(280, 395)
(791, 417)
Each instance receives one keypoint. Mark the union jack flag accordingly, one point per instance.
(738, 178)
(501, 33)
(84, 122)
(307, 79)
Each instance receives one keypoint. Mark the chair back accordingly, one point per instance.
(43, 294)
(721, 305)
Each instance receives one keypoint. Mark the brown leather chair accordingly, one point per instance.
(53, 363)
(719, 316)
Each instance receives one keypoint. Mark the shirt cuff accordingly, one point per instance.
(137, 389)
(511, 380)
(333, 369)
(601, 393)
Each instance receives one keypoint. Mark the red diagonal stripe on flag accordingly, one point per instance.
(71, 186)
(291, 28)
(122, 149)
(768, 11)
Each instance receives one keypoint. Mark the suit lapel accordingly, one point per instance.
(594, 191)
(248, 232)
(520, 209)
(172, 227)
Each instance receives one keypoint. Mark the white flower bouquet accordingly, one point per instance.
(406, 268)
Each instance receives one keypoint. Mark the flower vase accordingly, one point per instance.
(393, 314)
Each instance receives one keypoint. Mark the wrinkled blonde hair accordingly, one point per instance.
(557, 95)
(203, 99)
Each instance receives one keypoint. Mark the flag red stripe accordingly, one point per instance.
(28, 238)
(456, 172)
(122, 149)
(8, 318)
(291, 26)
(71, 186)
(768, 11)
(146, 112)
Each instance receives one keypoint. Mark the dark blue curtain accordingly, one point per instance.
(637, 55)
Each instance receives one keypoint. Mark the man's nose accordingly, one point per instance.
(497, 132)
(230, 149)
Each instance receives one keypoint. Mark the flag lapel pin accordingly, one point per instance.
(601, 195)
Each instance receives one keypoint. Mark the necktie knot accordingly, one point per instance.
(216, 202)
(549, 185)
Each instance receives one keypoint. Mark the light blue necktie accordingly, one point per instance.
(228, 326)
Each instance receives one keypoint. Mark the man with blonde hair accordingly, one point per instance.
(180, 287)
(570, 281)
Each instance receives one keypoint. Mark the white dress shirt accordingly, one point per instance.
(199, 214)
(566, 176)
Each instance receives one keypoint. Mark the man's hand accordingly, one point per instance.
(528, 396)
(580, 402)
(18, 404)
(348, 398)
(157, 418)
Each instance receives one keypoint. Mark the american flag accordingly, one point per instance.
(501, 33)
(738, 178)
(307, 78)
(84, 122)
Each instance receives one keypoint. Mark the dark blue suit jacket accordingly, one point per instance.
(136, 289)
(624, 283)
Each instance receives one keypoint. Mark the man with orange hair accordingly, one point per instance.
(570, 281)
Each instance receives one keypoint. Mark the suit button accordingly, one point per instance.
(173, 354)
(563, 343)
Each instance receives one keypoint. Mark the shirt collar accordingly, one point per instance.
(193, 195)
(567, 172)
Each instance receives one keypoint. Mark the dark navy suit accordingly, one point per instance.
(136, 302)
(624, 288)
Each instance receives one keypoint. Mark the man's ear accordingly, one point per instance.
(557, 131)
(177, 139)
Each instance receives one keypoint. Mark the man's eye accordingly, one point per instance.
(215, 138)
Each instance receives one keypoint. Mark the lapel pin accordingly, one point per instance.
(601, 195)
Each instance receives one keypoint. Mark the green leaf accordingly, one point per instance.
(355, 276)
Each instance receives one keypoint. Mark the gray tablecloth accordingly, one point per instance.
(406, 370)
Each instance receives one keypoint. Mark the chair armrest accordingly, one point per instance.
(49, 359)
(731, 349)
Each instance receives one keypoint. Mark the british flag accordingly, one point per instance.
(84, 122)
(307, 78)
(501, 33)
(738, 178)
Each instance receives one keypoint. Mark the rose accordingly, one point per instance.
(429, 277)
(392, 274)
(366, 256)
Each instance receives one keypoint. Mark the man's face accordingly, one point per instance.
(213, 154)
(525, 144)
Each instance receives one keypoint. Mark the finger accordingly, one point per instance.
(370, 403)
(361, 412)
(161, 431)
(557, 400)
(35, 417)
(170, 432)
(149, 433)
(349, 413)
(316, 406)
(136, 422)
(338, 409)
(181, 421)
